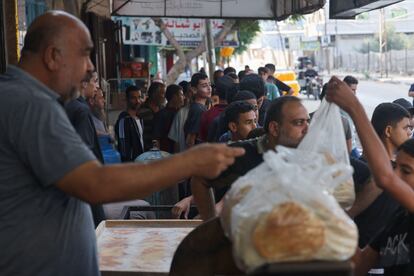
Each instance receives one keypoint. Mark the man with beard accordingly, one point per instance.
(47, 173)
(129, 128)
(80, 115)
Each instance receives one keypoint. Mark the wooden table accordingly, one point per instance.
(140, 247)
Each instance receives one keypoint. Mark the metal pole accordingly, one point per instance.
(3, 48)
(385, 42)
(328, 66)
(210, 49)
(406, 60)
(381, 39)
(336, 46)
(11, 31)
(369, 52)
(281, 44)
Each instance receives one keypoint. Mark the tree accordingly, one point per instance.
(395, 41)
(247, 30)
(185, 58)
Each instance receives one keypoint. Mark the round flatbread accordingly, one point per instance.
(289, 231)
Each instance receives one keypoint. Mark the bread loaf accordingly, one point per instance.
(288, 231)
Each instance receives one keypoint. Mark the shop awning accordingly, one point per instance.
(340, 9)
(236, 9)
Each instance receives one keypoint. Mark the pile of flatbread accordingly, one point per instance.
(281, 211)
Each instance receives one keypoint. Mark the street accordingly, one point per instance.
(371, 93)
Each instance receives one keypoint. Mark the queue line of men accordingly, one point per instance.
(47, 172)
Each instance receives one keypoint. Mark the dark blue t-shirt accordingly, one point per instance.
(192, 124)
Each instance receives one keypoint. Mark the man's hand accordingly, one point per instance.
(182, 206)
(341, 94)
(209, 160)
(219, 206)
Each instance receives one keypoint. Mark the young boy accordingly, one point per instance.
(392, 247)
(240, 118)
(202, 87)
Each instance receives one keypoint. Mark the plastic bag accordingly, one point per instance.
(281, 211)
(326, 135)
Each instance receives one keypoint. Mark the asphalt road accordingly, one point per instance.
(371, 93)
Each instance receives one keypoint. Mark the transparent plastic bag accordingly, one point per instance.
(326, 135)
(281, 211)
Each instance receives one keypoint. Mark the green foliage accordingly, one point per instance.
(395, 41)
(362, 16)
(294, 18)
(248, 30)
(398, 12)
(410, 42)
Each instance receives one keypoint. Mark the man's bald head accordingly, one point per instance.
(57, 52)
(48, 28)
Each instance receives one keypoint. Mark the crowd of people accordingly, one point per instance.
(255, 111)
(51, 110)
(48, 172)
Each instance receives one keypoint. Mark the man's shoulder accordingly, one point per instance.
(242, 164)
(145, 113)
(253, 153)
(123, 115)
(15, 93)
(197, 107)
(76, 108)
(250, 143)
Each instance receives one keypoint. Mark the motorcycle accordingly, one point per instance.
(313, 87)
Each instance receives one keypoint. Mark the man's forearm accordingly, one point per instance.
(203, 197)
(190, 140)
(95, 183)
(132, 181)
(378, 160)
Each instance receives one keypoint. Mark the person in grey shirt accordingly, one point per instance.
(47, 174)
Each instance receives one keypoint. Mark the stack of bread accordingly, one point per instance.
(282, 211)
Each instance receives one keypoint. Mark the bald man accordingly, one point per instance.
(47, 173)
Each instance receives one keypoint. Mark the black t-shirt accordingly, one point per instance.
(253, 157)
(192, 124)
(376, 217)
(147, 115)
(311, 73)
(217, 128)
(162, 124)
(262, 111)
(361, 173)
(281, 86)
(393, 245)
